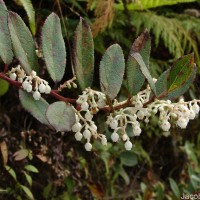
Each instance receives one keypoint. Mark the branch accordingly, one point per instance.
(53, 93)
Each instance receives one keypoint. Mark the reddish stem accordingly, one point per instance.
(53, 93)
(5, 68)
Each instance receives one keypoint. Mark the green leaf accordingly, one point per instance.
(180, 72)
(36, 107)
(31, 168)
(83, 54)
(21, 154)
(4, 87)
(23, 44)
(53, 47)
(128, 158)
(144, 70)
(6, 53)
(124, 175)
(174, 188)
(11, 172)
(27, 191)
(28, 6)
(28, 178)
(61, 116)
(112, 68)
(135, 77)
(176, 80)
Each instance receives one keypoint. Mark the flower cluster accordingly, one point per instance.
(90, 102)
(139, 110)
(31, 83)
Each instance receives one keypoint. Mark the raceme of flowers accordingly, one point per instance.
(32, 83)
(139, 110)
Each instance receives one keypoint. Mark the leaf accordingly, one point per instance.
(28, 6)
(23, 44)
(53, 47)
(27, 191)
(145, 70)
(135, 77)
(4, 152)
(180, 72)
(28, 178)
(83, 54)
(11, 172)
(61, 116)
(6, 52)
(124, 175)
(112, 68)
(36, 108)
(21, 154)
(31, 168)
(174, 188)
(176, 80)
(128, 158)
(4, 87)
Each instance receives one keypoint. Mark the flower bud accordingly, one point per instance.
(36, 95)
(78, 136)
(88, 146)
(128, 145)
(114, 137)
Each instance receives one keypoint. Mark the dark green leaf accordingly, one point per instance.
(112, 71)
(83, 54)
(4, 85)
(124, 175)
(36, 108)
(27, 191)
(6, 53)
(31, 168)
(174, 188)
(144, 70)
(61, 116)
(28, 178)
(176, 80)
(53, 47)
(135, 77)
(180, 72)
(128, 158)
(28, 6)
(11, 172)
(23, 44)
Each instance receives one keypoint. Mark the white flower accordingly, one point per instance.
(84, 106)
(78, 136)
(137, 130)
(76, 127)
(128, 145)
(103, 140)
(87, 134)
(29, 87)
(182, 122)
(124, 137)
(36, 95)
(165, 125)
(47, 89)
(114, 137)
(88, 116)
(13, 76)
(140, 114)
(42, 88)
(114, 124)
(88, 146)
(195, 107)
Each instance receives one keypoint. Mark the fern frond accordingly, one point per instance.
(104, 13)
(28, 7)
(147, 4)
(175, 37)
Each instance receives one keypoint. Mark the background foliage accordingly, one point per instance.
(49, 165)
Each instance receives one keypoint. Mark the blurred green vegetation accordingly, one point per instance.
(159, 166)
